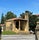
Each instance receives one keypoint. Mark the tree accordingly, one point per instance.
(30, 13)
(32, 20)
(10, 15)
(2, 19)
(22, 15)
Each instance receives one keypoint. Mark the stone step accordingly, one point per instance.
(18, 37)
(22, 32)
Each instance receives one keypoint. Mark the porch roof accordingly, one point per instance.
(16, 19)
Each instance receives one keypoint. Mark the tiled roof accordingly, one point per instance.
(37, 14)
(15, 19)
(2, 24)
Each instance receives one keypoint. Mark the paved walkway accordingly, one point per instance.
(18, 37)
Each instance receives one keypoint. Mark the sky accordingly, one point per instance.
(19, 6)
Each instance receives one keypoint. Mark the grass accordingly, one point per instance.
(8, 33)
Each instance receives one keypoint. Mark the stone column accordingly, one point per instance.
(27, 27)
(19, 25)
(13, 26)
(27, 22)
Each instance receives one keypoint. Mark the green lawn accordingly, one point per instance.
(8, 33)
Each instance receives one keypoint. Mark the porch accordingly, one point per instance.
(20, 25)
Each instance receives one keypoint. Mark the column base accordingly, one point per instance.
(27, 31)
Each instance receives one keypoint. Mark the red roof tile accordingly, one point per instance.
(15, 19)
